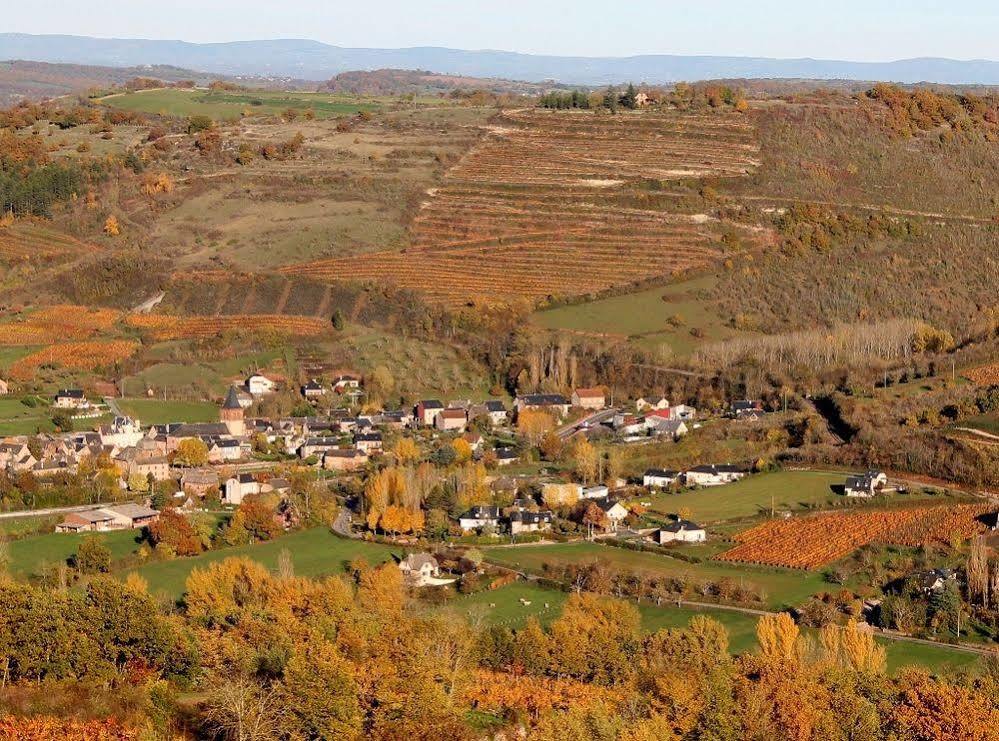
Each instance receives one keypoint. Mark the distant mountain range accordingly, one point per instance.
(312, 60)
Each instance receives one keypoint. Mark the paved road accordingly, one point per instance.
(567, 431)
(341, 525)
(112, 403)
(52, 510)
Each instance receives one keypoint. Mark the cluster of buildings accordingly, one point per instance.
(707, 475)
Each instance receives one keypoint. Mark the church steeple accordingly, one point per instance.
(232, 413)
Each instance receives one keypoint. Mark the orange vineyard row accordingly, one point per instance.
(56, 323)
(163, 327)
(811, 542)
(75, 355)
(986, 375)
(24, 241)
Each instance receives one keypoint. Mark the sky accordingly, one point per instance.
(870, 30)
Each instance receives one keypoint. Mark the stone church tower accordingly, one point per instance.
(231, 414)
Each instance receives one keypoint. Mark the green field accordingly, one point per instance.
(156, 411)
(986, 423)
(752, 496)
(741, 627)
(18, 419)
(644, 317)
(28, 555)
(234, 105)
(782, 587)
(315, 552)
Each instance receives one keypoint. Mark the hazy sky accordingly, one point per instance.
(866, 30)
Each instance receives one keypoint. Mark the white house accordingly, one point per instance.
(492, 408)
(866, 485)
(71, 399)
(683, 531)
(506, 456)
(427, 410)
(674, 428)
(615, 511)
(238, 487)
(419, 569)
(682, 411)
(259, 385)
(313, 390)
(4, 388)
(346, 383)
(713, 475)
(595, 492)
(480, 516)
(652, 403)
(659, 478)
(451, 420)
(123, 432)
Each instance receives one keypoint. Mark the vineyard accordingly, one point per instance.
(58, 323)
(539, 210)
(25, 242)
(74, 355)
(164, 327)
(811, 542)
(985, 375)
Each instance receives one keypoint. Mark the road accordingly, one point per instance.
(341, 525)
(52, 510)
(567, 431)
(112, 403)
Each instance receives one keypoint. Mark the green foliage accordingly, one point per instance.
(92, 557)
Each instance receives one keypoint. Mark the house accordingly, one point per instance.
(493, 408)
(138, 462)
(350, 459)
(123, 432)
(674, 428)
(318, 446)
(71, 399)
(747, 409)
(555, 403)
(506, 456)
(451, 420)
(474, 440)
(118, 517)
(224, 449)
(615, 511)
(479, 517)
(682, 531)
(595, 492)
(368, 442)
(4, 388)
(313, 390)
(684, 412)
(199, 481)
(934, 580)
(659, 478)
(713, 475)
(525, 521)
(344, 383)
(238, 487)
(17, 457)
(629, 424)
(427, 410)
(652, 403)
(419, 569)
(591, 398)
(259, 385)
(866, 485)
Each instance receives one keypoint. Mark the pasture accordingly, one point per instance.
(29, 555)
(17, 418)
(780, 586)
(315, 553)
(511, 612)
(160, 411)
(752, 496)
(227, 106)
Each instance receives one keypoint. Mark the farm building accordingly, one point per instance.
(543, 402)
(592, 398)
(659, 478)
(344, 460)
(260, 385)
(713, 475)
(451, 420)
(71, 399)
(118, 517)
(682, 531)
(865, 485)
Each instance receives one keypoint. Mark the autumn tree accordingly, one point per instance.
(585, 459)
(320, 694)
(111, 226)
(174, 530)
(191, 451)
(92, 556)
(534, 423)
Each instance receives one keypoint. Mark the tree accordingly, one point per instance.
(594, 517)
(585, 459)
(191, 451)
(111, 226)
(437, 524)
(406, 450)
(462, 450)
(197, 124)
(610, 99)
(174, 530)
(534, 423)
(550, 446)
(339, 322)
(320, 694)
(381, 383)
(778, 637)
(630, 97)
(977, 572)
(92, 556)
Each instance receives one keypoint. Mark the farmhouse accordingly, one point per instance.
(683, 531)
(15, 456)
(652, 403)
(544, 402)
(713, 475)
(259, 385)
(866, 485)
(451, 420)
(344, 460)
(615, 511)
(480, 516)
(71, 399)
(427, 410)
(659, 478)
(199, 481)
(368, 442)
(313, 390)
(4, 388)
(345, 383)
(591, 398)
(747, 409)
(419, 569)
(524, 521)
(506, 456)
(493, 409)
(674, 428)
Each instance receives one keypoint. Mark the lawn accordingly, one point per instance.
(157, 411)
(315, 552)
(651, 318)
(782, 587)
(17, 418)
(29, 554)
(752, 496)
(234, 105)
(546, 605)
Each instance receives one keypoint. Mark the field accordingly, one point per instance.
(74, 355)
(741, 627)
(814, 541)
(162, 327)
(156, 411)
(29, 555)
(537, 209)
(782, 587)
(222, 106)
(17, 418)
(752, 496)
(32, 242)
(57, 323)
(315, 552)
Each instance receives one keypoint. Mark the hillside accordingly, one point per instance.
(317, 61)
(419, 82)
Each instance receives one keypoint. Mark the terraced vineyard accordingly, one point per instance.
(26, 241)
(539, 209)
(811, 542)
(164, 327)
(55, 323)
(76, 355)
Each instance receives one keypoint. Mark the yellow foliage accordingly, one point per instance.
(111, 226)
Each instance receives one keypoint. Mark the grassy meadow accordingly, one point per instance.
(158, 411)
(225, 105)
